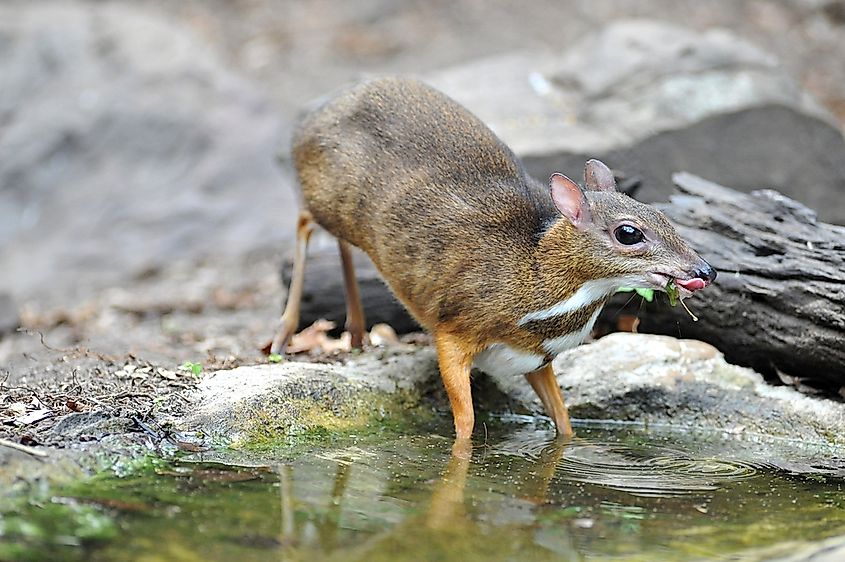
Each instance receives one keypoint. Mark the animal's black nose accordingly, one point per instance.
(706, 272)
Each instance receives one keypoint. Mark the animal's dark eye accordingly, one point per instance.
(628, 235)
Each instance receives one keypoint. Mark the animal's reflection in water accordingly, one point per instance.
(447, 507)
(444, 526)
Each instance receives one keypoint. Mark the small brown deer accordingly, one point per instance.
(504, 271)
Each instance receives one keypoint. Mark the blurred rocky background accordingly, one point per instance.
(136, 135)
(146, 198)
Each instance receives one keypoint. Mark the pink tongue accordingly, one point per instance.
(691, 284)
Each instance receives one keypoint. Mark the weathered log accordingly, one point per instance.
(777, 306)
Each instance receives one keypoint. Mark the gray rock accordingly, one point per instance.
(21, 473)
(28, 475)
(685, 383)
(662, 382)
(90, 426)
(651, 99)
(126, 144)
(251, 403)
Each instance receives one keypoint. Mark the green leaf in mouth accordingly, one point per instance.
(647, 294)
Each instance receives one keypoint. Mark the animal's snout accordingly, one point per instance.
(706, 273)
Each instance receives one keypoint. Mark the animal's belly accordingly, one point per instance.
(502, 359)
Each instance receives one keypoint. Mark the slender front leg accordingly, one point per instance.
(355, 321)
(454, 356)
(544, 383)
(290, 318)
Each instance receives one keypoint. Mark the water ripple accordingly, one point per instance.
(646, 470)
(664, 472)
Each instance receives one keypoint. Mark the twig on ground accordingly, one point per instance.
(22, 448)
(147, 429)
(126, 394)
(71, 351)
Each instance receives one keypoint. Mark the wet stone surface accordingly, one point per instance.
(686, 383)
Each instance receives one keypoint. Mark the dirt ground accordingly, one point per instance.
(122, 350)
(132, 353)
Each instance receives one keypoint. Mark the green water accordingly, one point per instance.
(620, 494)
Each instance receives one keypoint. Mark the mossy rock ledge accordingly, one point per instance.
(254, 412)
(622, 377)
(264, 407)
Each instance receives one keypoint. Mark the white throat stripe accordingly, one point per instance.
(587, 294)
(557, 345)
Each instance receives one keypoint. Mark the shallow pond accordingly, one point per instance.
(613, 493)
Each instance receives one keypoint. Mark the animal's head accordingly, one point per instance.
(615, 237)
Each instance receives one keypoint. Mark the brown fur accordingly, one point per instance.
(460, 232)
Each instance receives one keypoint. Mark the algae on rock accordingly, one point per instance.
(266, 406)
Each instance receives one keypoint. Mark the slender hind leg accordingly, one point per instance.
(290, 318)
(544, 383)
(356, 324)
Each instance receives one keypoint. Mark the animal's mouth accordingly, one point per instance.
(691, 285)
(686, 285)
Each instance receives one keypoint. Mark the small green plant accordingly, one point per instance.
(274, 358)
(194, 368)
(671, 291)
(647, 294)
(675, 297)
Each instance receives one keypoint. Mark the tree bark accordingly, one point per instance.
(778, 304)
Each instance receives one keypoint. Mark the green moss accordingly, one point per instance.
(298, 422)
(51, 522)
(139, 466)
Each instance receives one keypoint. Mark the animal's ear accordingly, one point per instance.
(569, 200)
(598, 177)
